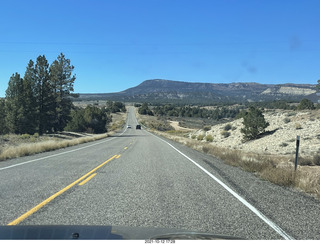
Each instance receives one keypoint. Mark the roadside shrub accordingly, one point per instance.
(207, 128)
(305, 161)
(90, 119)
(286, 120)
(283, 144)
(209, 138)
(200, 137)
(298, 126)
(292, 114)
(160, 126)
(227, 127)
(32, 139)
(205, 149)
(316, 159)
(225, 134)
(25, 136)
(280, 176)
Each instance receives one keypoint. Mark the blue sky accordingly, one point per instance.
(117, 44)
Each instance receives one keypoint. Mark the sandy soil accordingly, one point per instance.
(175, 125)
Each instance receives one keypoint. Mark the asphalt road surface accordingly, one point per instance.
(138, 179)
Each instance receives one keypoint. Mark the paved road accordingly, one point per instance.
(139, 179)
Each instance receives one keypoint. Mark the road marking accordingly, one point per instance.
(125, 148)
(40, 205)
(58, 154)
(236, 195)
(86, 180)
(118, 156)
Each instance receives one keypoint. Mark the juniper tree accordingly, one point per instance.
(254, 124)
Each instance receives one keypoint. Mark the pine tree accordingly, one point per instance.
(44, 94)
(62, 80)
(2, 117)
(28, 95)
(13, 104)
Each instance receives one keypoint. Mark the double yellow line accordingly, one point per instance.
(40, 205)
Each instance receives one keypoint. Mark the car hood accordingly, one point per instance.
(84, 232)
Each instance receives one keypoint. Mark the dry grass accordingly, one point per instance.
(13, 146)
(276, 169)
(26, 149)
(118, 121)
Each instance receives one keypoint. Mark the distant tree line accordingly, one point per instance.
(188, 111)
(115, 107)
(278, 104)
(286, 105)
(219, 112)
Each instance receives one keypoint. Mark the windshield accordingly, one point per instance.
(174, 116)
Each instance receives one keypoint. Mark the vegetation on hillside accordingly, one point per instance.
(305, 104)
(254, 124)
(195, 111)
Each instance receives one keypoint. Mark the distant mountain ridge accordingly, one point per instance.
(159, 90)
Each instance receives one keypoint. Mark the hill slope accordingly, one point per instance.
(159, 90)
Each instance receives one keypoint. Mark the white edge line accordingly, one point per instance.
(236, 195)
(58, 154)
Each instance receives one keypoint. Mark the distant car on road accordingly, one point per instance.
(138, 127)
(129, 126)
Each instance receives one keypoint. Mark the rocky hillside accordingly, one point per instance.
(280, 138)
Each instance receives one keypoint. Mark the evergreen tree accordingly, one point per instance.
(91, 119)
(254, 124)
(44, 94)
(77, 122)
(115, 107)
(13, 104)
(62, 81)
(306, 104)
(2, 117)
(144, 109)
(28, 96)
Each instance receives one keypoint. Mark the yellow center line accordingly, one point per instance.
(118, 156)
(125, 148)
(40, 205)
(86, 180)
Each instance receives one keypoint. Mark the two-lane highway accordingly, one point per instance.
(138, 179)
